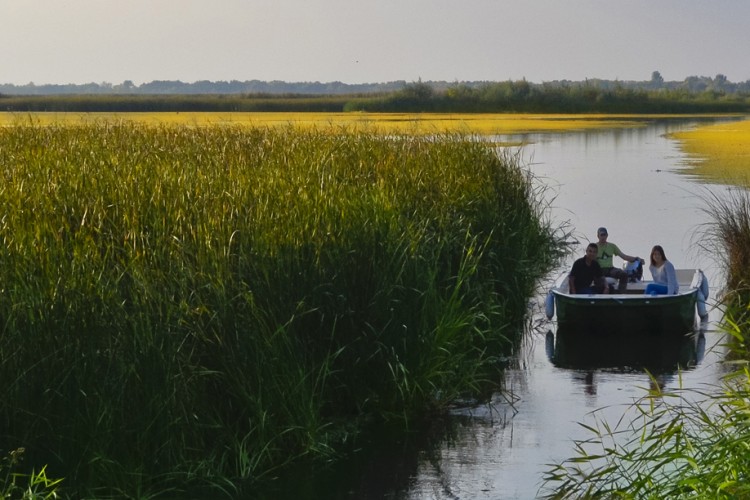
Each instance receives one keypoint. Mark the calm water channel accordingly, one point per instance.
(625, 180)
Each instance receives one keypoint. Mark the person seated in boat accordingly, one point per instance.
(605, 252)
(586, 275)
(665, 277)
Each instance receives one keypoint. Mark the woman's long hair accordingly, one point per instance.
(657, 248)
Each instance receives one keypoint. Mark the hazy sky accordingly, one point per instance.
(357, 41)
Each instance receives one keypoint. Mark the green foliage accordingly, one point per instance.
(203, 306)
(172, 103)
(523, 97)
(727, 237)
(492, 97)
(34, 486)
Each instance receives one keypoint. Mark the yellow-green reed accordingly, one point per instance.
(203, 305)
(388, 123)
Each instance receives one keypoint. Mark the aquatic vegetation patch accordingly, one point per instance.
(719, 152)
(388, 123)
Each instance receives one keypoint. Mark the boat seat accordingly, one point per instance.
(685, 277)
(634, 287)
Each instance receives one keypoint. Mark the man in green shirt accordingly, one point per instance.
(606, 251)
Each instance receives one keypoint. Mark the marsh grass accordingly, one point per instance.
(15, 484)
(727, 234)
(189, 306)
(727, 237)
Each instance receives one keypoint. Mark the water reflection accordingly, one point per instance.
(661, 352)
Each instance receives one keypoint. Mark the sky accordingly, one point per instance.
(373, 41)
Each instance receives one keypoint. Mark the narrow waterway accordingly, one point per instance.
(628, 181)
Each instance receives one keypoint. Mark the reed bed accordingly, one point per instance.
(727, 235)
(202, 306)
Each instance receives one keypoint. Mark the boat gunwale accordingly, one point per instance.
(686, 289)
(623, 296)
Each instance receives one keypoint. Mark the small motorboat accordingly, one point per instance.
(631, 310)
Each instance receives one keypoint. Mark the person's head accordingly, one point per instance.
(602, 234)
(657, 255)
(591, 250)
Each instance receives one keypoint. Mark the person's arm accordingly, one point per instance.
(626, 257)
(673, 285)
(572, 278)
(629, 258)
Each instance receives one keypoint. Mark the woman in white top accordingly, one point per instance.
(665, 277)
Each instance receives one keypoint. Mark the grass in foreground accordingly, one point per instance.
(668, 446)
(33, 486)
(201, 306)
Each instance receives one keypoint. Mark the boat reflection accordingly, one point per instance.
(588, 349)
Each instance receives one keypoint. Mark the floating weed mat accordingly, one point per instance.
(188, 305)
(385, 123)
(719, 152)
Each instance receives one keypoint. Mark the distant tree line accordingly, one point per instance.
(694, 95)
(174, 103)
(570, 97)
(169, 87)
(693, 84)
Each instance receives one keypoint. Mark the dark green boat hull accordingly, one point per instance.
(643, 314)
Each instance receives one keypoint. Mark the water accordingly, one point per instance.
(628, 181)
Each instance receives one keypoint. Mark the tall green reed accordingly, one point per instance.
(206, 305)
(727, 237)
(727, 234)
(14, 484)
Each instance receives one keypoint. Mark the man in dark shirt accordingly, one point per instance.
(586, 275)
